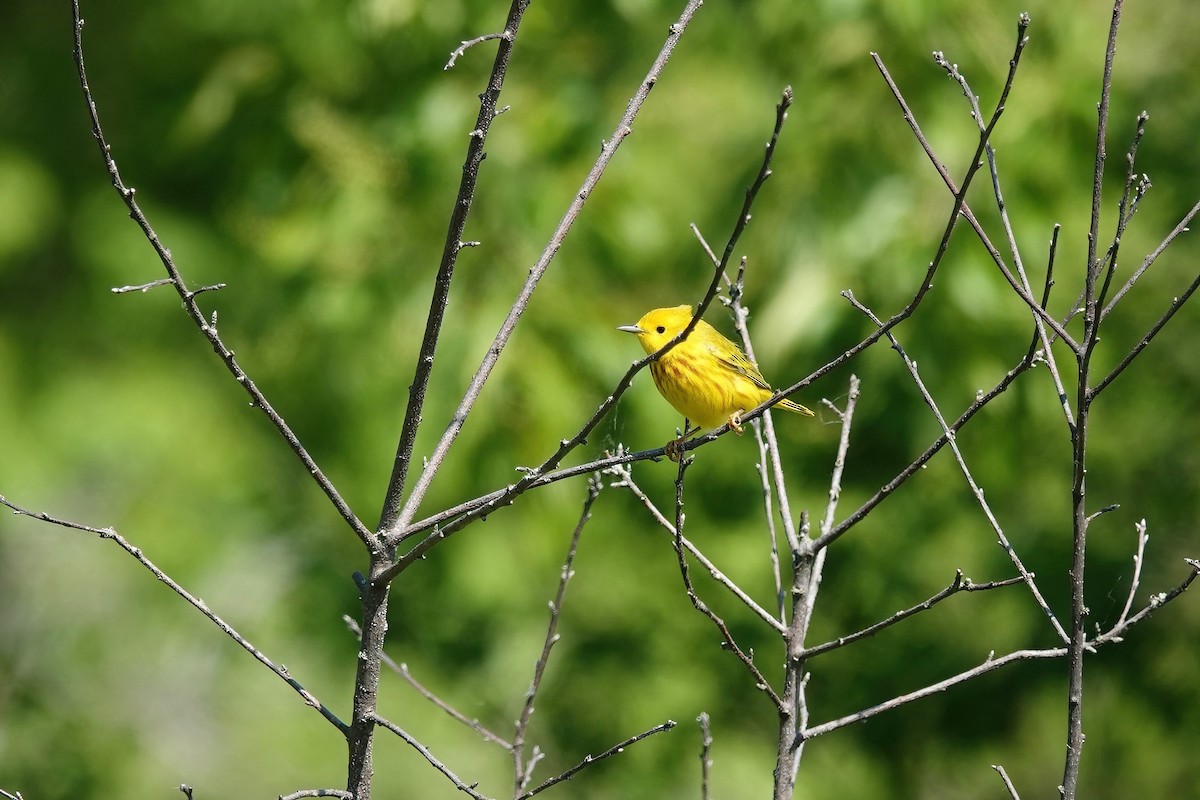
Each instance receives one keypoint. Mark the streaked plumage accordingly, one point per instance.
(706, 377)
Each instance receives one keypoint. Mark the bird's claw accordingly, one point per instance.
(735, 423)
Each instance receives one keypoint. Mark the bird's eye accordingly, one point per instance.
(661, 329)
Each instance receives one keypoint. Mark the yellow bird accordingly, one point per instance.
(706, 377)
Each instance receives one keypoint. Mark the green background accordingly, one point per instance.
(306, 153)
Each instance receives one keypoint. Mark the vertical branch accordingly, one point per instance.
(808, 563)
(488, 101)
(522, 771)
(1091, 322)
(361, 736)
(706, 741)
(727, 641)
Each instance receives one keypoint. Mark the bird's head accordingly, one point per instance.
(659, 326)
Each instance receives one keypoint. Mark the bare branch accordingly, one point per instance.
(207, 328)
(1156, 602)
(403, 671)
(1181, 228)
(706, 741)
(985, 134)
(989, 664)
(1026, 575)
(625, 480)
(451, 247)
(590, 760)
(317, 793)
(1040, 333)
(1176, 304)
(959, 584)
(111, 535)
(1008, 784)
(728, 642)
(396, 519)
(1138, 559)
(424, 751)
(142, 287)
(521, 775)
(467, 44)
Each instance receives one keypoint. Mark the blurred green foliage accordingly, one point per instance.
(306, 153)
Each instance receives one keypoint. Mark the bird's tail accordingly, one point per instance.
(795, 408)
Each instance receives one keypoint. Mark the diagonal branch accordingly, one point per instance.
(625, 480)
(985, 133)
(727, 642)
(468, 789)
(488, 101)
(616, 749)
(395, 523)
(959, 584)
(208, 327)
(976, 491)
(403, 671)
(111, 535)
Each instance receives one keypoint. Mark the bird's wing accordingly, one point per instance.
(734, 359)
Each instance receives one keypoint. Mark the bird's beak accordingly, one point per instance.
(630, 329)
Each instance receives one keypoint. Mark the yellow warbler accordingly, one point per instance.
(706, 377)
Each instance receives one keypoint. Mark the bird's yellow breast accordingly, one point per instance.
(695, 383)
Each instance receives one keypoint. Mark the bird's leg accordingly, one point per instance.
(674, 448)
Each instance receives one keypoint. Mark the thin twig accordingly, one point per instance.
(1014, 250)
(1008, 784)
(394, 524)
(521, 775)
(706, 741)
(424, 751)
(142, 287)
(1135, 189)
(727, 642)
(208, 327)
(342, 793)
(1156, 602)
(451, 247)
(111, 534)
(616, 749)
(985, 135)
(403, 671)
(1181, 228)
(467, 44)
(976, 491)
(624, 479)
(989, 664)
(1144, 342)
(1047, 341)
(959, 584)
(1138, 559)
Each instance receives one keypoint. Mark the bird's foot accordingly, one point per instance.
(735, 423)
(674, 448)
